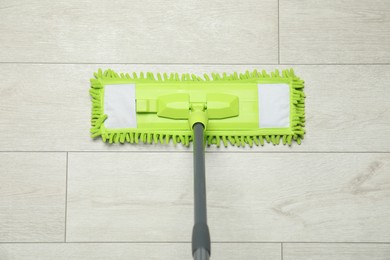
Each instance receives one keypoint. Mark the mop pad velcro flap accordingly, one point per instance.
(238, 109)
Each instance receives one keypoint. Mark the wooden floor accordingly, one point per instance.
(65, 196)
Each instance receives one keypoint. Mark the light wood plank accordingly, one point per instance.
(336, 251)
(252, 197)
(139, 31)
(32, 197)
(334, 31)
(140, 251)
(47, 107)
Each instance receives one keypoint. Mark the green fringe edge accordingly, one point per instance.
(138, 136)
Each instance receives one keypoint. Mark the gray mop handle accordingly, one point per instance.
(201, 246)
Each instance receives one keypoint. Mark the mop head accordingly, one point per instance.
(238, 109)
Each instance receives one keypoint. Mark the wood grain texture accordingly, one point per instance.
(139, 31)
(251, 197)
(32, 197)
(141, 251)
(334, 31)
(47, 107)
(336, 251)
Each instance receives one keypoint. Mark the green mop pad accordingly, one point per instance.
(238, 109)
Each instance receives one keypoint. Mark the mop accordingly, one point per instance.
(239, 109)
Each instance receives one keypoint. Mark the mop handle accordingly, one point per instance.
(201, 246)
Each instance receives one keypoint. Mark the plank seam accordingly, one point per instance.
(66, 195)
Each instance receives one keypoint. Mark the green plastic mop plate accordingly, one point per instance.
(239, 109)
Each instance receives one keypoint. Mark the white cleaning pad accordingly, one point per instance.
(274, 105)
(119, 106)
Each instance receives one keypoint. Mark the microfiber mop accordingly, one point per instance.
(243, 109)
